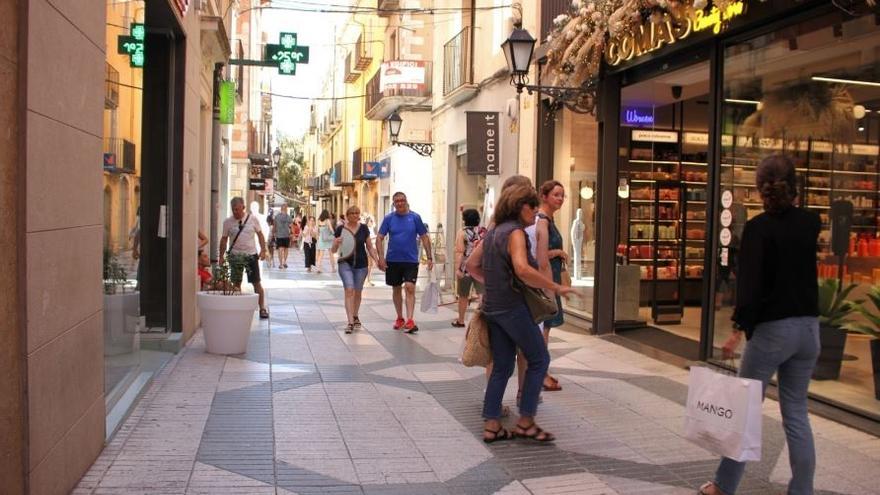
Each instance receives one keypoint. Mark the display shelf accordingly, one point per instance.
(658, 240)
(655, 162)
(695, 164)
(675, 201)
(645, 260)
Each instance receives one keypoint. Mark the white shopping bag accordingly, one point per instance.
(723, 414)
(431, 296)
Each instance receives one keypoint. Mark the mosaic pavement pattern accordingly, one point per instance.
(310, 410)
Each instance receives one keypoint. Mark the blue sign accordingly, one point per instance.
(381, 170)
(638, 116)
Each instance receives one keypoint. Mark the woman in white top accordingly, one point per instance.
(325, 240)
(309, 240)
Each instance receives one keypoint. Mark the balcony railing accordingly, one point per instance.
(549, 10)
(351, 73)
(111, 85)
(119, 155)
(359, 157)
(387, 5)
(362, 58)
(380, 103)
(457, 64)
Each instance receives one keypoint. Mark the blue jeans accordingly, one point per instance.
(352, 278)
(509, 330)
(790, 347)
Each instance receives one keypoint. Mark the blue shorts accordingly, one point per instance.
(352, 278)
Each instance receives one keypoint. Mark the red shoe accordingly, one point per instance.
(411, 327)
(398, 324)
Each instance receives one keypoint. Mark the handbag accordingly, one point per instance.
(723, 414)
(565, 276)
(540, 306)
(476, 350)
(431, 296)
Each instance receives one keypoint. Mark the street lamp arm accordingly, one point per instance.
(424, 149)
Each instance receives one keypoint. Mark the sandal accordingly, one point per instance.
(707, 485)
(458, 324)
(497, 435)
(538, 434)
(554, 385)
(357, 323)
(349, 328)
(264, 314)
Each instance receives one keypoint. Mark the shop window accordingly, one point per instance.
(811, 92)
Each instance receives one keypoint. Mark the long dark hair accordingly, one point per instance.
(324, 215)
(776, 182)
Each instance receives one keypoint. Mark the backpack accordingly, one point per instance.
(472, 237)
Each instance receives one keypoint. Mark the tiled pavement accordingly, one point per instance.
(311, 410)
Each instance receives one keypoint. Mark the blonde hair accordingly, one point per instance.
(353, 209)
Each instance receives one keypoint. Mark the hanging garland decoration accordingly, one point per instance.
(580, 38)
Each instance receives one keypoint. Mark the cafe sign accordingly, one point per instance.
(677, 25)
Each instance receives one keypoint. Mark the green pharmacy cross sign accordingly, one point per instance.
(286, 54)
(134, 45)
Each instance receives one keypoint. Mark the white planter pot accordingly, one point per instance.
(226, 321)
(120, 323)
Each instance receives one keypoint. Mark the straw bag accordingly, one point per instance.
(476, 350)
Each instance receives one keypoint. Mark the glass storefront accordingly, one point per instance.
(132, 331)
(808, 88)
(812, 92)
(579, 225)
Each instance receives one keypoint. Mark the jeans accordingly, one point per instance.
(509, 330)
(790, 347)
(352, 278)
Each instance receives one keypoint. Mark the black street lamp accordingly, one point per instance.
(519, 48)
(395, 122)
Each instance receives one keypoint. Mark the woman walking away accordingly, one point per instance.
(325, 240)
(465, 242)
(310, 240)
(777, 309)
(503, 256)
(353, 264)
(547, 249)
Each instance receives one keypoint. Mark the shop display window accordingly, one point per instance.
(811, 92)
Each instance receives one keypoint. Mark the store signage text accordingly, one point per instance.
(133, 45)
(637, 116)
(286, 54)
(402, 75)
(483, 143)
(227, 102)
(655, 136)
(676, 26)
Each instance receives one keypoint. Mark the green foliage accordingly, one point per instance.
(833, 305)
(228, 275)
(290, 169)
(115, 277)
(872, 327)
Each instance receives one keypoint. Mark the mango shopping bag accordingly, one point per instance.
(723, 414)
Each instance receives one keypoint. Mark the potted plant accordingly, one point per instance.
(871, 329)
(120, 308)
(834, 309)
(227, 314)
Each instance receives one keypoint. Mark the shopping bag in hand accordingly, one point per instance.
(723, 414)
(475, 350)
(431, 296)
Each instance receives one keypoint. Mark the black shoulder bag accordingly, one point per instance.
(240, 229)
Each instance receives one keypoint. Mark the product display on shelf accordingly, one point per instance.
(665, 218)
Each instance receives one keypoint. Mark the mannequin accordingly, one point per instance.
(577, 241)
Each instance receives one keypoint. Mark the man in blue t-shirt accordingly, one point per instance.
(405, 228)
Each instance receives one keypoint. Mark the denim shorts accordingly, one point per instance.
(352, 278)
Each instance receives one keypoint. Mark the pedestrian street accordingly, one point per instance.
(311, 410)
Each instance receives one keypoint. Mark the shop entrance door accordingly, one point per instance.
(663, 175)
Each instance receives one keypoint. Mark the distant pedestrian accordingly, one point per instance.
(309, 242)
(353, 263)
(465, 242)
(546, 247)
(296, 232)
(777, 310)
(282, 230)
(504, 254)
(242, 229)
(325, 240)
(401, 266)
(371, 225)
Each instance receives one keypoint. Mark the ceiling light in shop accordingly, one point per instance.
(859, 111)
(846, 81)
(587, 192)
(861, 129)
(745, 102)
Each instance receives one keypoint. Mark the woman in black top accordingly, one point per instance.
(777, 310)
(353, 266)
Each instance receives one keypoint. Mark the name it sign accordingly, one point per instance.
(483, 146)
(676, 26)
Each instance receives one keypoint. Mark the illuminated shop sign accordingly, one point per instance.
(286, 54)
(638, 116)
(676, 26)
(133, 45)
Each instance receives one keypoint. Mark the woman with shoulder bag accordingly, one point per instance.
(502, 260)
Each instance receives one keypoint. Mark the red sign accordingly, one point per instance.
(182, 6)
